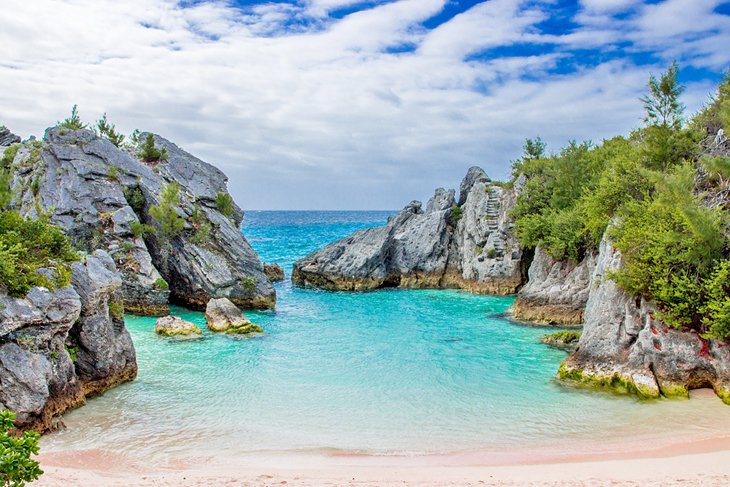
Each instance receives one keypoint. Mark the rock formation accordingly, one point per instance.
(174, 326)
(556, 292)
(624, 346)
(100, 194)
(57, 348)
(274, 272)
(469, 246)
(7, 137)
(221, 315)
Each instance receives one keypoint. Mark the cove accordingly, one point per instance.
(384, 372)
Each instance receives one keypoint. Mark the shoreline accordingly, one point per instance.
(626, 462)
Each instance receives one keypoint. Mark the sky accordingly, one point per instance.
(354, 104)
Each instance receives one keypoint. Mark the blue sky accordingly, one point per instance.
(348, 104)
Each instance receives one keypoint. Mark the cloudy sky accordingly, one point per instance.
(351, 104)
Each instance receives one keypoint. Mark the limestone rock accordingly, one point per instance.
(274, 272)
(106, 355)
(471, 247)
(171, 326)
(625, 347)
(556, 291)
(7, 137)
(37, 377)
(221, 315)
(100, 194)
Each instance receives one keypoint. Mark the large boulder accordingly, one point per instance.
(106, 355)
(222, 316)
(59, 347)
(100, 195)
(556, 291)
(446, 246)
(174, 326)
(274, 272)
(624, 346)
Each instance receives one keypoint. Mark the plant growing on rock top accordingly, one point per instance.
(248, 283)
(109, 132)
(74, 121)
(148, 152)
(456, 213)
(160, 284)
(16, 465)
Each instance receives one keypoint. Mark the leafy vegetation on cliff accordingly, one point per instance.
(32, 252)
(664, 187)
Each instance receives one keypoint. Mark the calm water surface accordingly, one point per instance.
(386, 372)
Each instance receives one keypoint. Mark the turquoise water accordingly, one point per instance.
(384, 372)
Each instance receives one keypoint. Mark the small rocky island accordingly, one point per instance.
(627, 240)
(154, 225)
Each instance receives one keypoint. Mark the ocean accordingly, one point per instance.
(391, 372)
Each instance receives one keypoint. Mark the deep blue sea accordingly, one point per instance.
(384, 372)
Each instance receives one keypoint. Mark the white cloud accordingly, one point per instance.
(306, 111)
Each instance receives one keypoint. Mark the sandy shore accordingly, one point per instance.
(705, 463)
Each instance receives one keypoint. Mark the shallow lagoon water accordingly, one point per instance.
(385, 372)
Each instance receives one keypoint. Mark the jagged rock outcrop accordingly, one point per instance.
(274, 272)
(99, 194)
(174, 326)
(623, 345)
(470, 246)
(556, 291)
(222, 316)
(58, 347)
(7, 137)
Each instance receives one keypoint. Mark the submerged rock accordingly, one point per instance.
(171, 326)
(624, 347)
(556, 291)
(101, 195)
(274, 272)
(563, 340)
(447, 246)
(221, 315)
(58, 347)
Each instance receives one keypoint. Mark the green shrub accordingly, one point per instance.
(492, 253)
(248, 283)
(135, 198)
(141, 230)
(166, 212)
(108, 131)
(224, 203)
(161, 285)
(128, 246)
(456, 213)
(201, 227)
(74, 121)
(35, 186)
(116, 309)
(8, 156)
(149, 153)
(16, 465)
(73, 352)
(28, 245)
(114, 173)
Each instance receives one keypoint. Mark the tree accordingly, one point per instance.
(149, 153)
(74, 121)
(165, 213)
(534, 149)
(108, 130)
(16, 466)
(662, 103)
(224, 203)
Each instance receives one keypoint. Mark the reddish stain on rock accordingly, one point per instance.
(654, 330)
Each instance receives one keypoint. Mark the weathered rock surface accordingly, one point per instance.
(624, 347)
(172, 326)
(38, 379)
(99, 194)
(471, 247)
(221, 315)
(556, 292)
(274, 272)
(7, 137)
